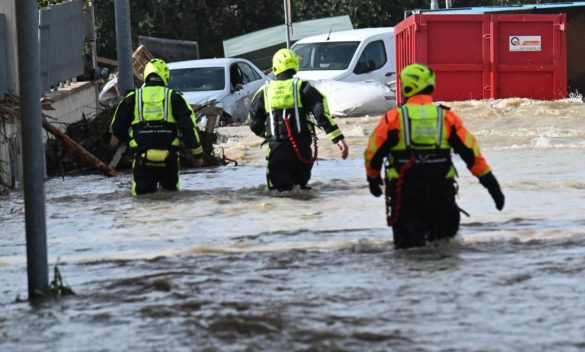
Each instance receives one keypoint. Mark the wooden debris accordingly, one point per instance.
(117, 156)
(78, 150)
(140, 57)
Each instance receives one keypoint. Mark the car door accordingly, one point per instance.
(251, 81)
(372, 63)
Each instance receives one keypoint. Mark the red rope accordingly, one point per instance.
(392, 217)
(295, 146)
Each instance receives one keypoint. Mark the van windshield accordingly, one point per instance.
(325, 56)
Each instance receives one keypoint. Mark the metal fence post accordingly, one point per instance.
(124, 46)
(32, 147)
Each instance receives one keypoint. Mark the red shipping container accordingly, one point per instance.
(487, 56)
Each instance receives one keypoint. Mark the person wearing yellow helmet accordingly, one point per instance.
(284, 112)
(416, 140)
(152, 120)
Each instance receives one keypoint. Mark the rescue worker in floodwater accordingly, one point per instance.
(285, 112)
(151, 119)
(416, 140)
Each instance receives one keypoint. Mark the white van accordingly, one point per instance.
(351, 55)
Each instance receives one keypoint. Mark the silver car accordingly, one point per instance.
(230, 82)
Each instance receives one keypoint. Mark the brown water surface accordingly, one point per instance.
(224, 265)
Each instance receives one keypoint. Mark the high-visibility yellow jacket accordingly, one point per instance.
(152, 116)
(288, 97)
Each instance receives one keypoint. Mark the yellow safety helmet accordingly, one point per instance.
(158, 67)
(284, 59)
(415, 78)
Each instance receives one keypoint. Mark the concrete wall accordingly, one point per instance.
(8, 8)
(71, 103)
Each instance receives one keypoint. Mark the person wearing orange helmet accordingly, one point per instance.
(285, 111)
(416, 141)
(152, 119)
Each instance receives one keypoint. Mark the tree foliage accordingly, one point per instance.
(209, 22)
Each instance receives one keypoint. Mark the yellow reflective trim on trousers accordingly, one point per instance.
(197, 151)
(334, 134)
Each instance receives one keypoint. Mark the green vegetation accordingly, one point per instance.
(210, 22)
(58, 287)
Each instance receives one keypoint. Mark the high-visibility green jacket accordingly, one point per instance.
(296, 100)
(155, 117)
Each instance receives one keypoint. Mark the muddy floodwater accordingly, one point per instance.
(224, 265)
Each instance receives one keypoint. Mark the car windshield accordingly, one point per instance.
(325, 56)
(197, 79)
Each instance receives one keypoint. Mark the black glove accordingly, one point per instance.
(375, 186)
(489, 181)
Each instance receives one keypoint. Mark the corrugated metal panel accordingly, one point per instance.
(247, 43)
(61, 37)
(3, 57)
(575, 31)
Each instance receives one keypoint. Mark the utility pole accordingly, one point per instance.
(124, 46)
(29, 73)
(287, 22)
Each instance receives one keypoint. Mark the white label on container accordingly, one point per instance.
(525, 43)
